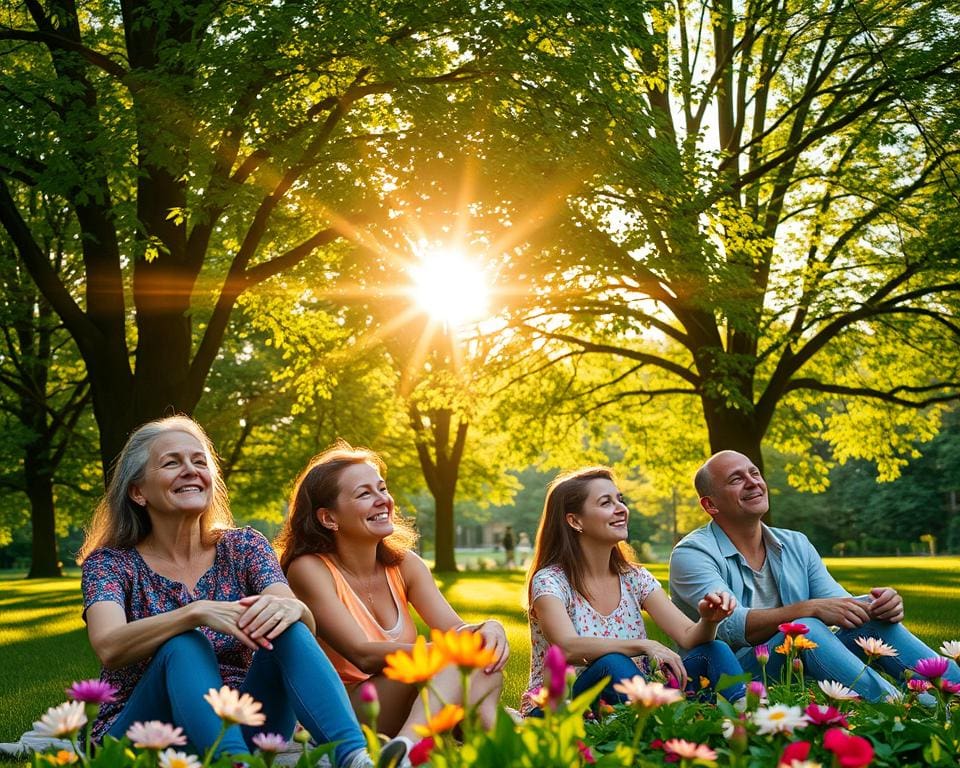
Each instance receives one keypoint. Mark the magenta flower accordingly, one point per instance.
(931, 668)
(824, 714)
(762, 652)
(947, 687)
(586, 753)
(368, 693)
(793, 629)
(555, 666)
(757, 689)
(917, 685)
(92, 692)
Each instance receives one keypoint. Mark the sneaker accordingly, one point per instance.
(395, 753)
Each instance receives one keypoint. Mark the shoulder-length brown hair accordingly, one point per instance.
(557, 543)
(119, 522)
(317, 487)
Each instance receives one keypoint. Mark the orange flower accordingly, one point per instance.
(444, 720)
(418, 666)
(787, 645)
(465, 649)
(802, 643)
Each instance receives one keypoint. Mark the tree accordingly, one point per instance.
(44, 393)
(759, 213)
(202, 148)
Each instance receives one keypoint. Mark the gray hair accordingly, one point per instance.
(119, 522)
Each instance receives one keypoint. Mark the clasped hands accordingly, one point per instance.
(254, 620)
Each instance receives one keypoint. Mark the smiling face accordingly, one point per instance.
(176, 478)
(737, 491)
(604, 516)
(364, 507)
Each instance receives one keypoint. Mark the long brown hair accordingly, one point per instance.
(317, 487)
(557, 543)
(119, 522)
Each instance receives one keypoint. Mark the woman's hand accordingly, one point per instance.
(716, 606)
(667, 660)
(495, 637)
(266, 616)
(222, 616)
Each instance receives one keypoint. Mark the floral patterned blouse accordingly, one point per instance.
(625, 621)
(244, 564)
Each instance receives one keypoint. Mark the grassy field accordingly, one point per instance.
(43, 643)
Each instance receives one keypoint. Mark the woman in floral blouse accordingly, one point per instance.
(585, 595)
(177, 602)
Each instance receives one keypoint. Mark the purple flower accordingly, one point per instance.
(762, 652)
(931, 669)
(269, 742)
(555, 666)
(92, 692)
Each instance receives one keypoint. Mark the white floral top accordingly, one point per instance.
(626, 620)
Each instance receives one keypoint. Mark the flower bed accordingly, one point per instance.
(787, 722)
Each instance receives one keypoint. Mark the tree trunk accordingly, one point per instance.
(445, 559)
(44, 557)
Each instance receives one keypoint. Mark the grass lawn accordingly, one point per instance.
(44, 644)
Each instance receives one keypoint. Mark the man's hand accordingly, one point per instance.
(887, 605)
(845, 612)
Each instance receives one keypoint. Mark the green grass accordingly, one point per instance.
(44, 644)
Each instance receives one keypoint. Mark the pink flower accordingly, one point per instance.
(155, 735)
(235, 707)
(851, 751)
(420, 752)
(689, 750)
(762, 654)
(793, 629)
(555, 667)
(917, 685)
(646, 695)
(932, 668)
(874, 647)
(824, 714)
(795, 751)
(269, 742)
(585, 753)
(92, 692)
(368, 693)
(947, 687)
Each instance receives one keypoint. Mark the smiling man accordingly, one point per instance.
(778, 577)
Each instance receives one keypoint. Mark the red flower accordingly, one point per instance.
(585, 753)
(793, 629)
(420, 752)
(656, 744)
(823, 714)
(796, 750)
(851, 751)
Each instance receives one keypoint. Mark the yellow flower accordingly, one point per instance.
(465, 649)
(704, 682)
(802, 643)
(541, 697)
(444, 720)
(63, 757)
(786, 647)
(418, 666)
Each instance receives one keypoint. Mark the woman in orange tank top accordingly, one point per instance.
(350, 560)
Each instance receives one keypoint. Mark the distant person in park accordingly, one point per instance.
(177, 602)
(585, 594)
(509, 559)
(778, 577)
(349, 557)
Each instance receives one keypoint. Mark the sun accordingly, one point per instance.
(450, 287)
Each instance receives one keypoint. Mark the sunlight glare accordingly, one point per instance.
(449, 286)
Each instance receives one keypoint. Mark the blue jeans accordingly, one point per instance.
(838, 657)
(709, 660)
(294, 681)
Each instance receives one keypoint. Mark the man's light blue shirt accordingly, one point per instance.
(706, 560)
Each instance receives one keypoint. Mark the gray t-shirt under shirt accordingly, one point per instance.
(765, 591)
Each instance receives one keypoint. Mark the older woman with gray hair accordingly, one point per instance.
(178, 601)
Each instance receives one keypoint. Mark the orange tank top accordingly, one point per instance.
(404, 632)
